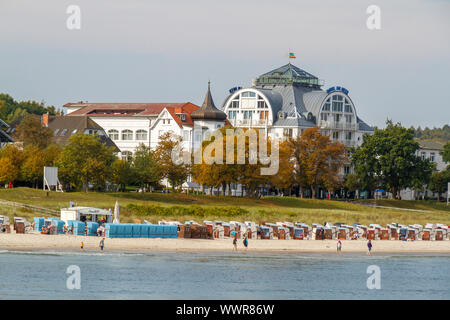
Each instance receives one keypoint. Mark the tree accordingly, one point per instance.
(317, 159)
(33, 164)
(176, 174)
(351, 182)
(86, 160)
(446, 152)
(146, 168)
(122, 173)
(388, 158)
(288, 170)
(32, 168)
(9, 172)
(439, 182)
(31, 132)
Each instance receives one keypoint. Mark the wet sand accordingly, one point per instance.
(35, 242)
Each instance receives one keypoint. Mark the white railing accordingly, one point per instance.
(337, 125)
(249, 122)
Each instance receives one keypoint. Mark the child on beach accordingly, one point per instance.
(102, 244)
(339, 246)
(81, 245)
(369, 247)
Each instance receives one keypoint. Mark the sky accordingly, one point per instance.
(167, 50)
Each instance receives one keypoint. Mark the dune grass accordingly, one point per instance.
(153, 207)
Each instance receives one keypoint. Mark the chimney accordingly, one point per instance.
(45, 118)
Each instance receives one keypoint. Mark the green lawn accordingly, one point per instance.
(181, 207)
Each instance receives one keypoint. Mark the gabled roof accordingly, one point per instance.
(120, 109)
(64, 127)
(431, 145)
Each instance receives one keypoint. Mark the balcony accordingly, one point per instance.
(249, 122)
(338, 125)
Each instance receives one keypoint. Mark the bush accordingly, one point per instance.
(176, 211)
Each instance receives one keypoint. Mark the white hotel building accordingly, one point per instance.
(287, 100)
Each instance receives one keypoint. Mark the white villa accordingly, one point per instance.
(132, 124)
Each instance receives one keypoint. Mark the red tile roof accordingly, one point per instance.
(134, 110)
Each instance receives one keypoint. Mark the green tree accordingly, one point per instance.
(446, 152)
(146, 167)
(30, 131)
(122, 173)
(351, 182)
(176, 174)
(86, 160)
(439, 182)
(388, 159)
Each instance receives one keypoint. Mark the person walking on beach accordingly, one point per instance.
(369, 247)
(81, 245)
(339, 247)
(245, 242)
(102, 244)
(235, 242)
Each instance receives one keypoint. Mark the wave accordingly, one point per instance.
(72, 253)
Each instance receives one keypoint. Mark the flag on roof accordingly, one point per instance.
(291, 55)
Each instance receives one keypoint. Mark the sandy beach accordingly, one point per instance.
(32, 242)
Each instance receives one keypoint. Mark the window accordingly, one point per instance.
(337, 117)
(249, 94)
(232, 114)
(56, 131)
(423, 155)
(287, 132)
(432, 157)
(347, 170)
(235, 103)
(64, 132)
(262, 104)
(348, 118)
(348, 108)
(74, 131)
(348, 135)
(127, 135)
(324, 116)
(141, 135)
(336, 135)
(113, 134)
(326, 106)
(127, 155)
(248, 114)
(337, 106)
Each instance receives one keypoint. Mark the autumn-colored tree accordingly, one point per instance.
(285, 179)
(30, 131)
(317, 159)
(33, 164)
(11, 160)
(9, 172)
(85, 160)
(175, 173)
(237, 163)
(35, 158)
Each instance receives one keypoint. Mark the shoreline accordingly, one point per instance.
(38, 242)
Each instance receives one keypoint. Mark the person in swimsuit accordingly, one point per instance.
(369, 247)
(245, 242)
